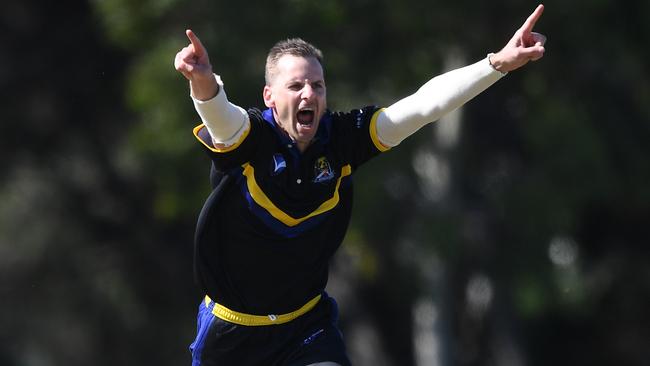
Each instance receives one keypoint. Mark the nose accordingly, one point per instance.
(307, 92)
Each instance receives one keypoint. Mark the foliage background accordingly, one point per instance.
(514, 232)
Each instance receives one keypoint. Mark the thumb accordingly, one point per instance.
(538, 38)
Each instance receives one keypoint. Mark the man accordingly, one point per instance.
(266, 237)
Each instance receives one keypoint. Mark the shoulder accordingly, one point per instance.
(260, 119)
(355, 118)
(254, 113)
(357, 129)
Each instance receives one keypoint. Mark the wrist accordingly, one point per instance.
(496, 63)
(205, 88)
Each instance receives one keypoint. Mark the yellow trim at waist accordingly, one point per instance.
(235, 317)
(264, 201)
(373, 132)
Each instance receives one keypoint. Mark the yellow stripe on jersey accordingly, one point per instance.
(373, 132)
(265, 202)
(221, 149)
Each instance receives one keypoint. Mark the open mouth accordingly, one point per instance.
(305, 116)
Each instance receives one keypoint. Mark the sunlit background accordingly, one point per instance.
(515, 231)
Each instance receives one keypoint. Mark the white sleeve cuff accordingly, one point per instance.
(225, 121)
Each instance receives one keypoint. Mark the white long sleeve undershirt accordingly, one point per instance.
(226, 122)
(436, 98)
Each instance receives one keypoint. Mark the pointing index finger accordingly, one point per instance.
(199, 50)
(532, 19)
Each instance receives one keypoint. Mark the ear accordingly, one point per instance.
(267, 94)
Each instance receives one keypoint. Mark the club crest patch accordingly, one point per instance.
(322, 170)
(278, 165)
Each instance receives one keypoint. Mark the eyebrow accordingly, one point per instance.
(302, 81)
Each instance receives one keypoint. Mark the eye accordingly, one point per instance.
(295, 86)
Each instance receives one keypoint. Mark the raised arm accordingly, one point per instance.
(449, 91)
(225, 121)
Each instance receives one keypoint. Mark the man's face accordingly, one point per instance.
(297, 96)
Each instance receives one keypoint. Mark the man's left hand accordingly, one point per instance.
(524, 46)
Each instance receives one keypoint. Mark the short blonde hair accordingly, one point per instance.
(292, 46)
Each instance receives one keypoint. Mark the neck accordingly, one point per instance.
(302, 146)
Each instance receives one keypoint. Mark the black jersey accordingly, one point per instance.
(266, 248)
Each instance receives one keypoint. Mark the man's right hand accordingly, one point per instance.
(193, 62)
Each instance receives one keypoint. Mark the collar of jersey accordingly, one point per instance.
(322, 135)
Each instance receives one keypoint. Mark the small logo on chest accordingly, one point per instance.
(322, 170)
(279, 164)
